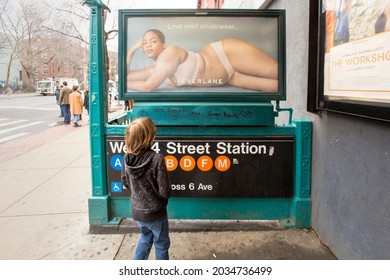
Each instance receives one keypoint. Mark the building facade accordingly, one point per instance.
(48, 59)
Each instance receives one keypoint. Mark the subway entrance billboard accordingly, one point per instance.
(217, 166)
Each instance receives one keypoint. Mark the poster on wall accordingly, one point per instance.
(354, 56)
(201, 55)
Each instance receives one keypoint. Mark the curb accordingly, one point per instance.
(127, 226)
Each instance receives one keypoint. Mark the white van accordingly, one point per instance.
(48, 86)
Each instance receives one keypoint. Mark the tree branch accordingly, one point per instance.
(83, 16)
(66, 34)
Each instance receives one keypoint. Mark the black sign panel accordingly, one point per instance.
(217, 166)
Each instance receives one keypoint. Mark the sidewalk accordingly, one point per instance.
(44, 193)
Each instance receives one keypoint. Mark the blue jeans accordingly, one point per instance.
(76, 118)
(65, 109)
(157, 233)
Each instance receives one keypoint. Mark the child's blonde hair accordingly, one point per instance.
(140, 135)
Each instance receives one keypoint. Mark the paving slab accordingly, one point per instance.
(16, 184)
(66, 192)
(288, 244)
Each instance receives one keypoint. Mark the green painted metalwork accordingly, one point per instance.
(99, 210)
(211, 130)
(301, 207)
(217, 208)
(98, 203)
(193, 119)
(289, 110)
(294, 212)
(216, 113)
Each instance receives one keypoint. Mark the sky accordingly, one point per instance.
(115, 5)
(153, 4)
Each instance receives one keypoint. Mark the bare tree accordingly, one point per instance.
(3, 42)
(22, 28)
(10, 38)
(110, 33)
(71, 20)
(74, 55)
(33, 19)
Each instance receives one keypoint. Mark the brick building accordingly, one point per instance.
(48, 58)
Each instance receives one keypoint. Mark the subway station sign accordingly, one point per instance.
(217, 166)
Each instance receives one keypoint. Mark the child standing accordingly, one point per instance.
(145, 174)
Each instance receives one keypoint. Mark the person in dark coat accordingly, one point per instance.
(86, 99)
(63, 101)
(145, 174)
(57, 94)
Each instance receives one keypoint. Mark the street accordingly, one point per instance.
(24, 114)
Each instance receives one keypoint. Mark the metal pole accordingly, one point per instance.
(99, 202)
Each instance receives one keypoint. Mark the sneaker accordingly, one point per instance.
(76, 125)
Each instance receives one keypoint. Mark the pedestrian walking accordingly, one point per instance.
(86, 99)
(76, 105)
(64, 102)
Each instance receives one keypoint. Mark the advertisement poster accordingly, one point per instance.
(202, 55)
(229, 167)
(357, 50)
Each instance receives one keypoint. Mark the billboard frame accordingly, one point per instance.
(134, 23)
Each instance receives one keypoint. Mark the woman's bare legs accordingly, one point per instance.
(253, 82)
(254, 68)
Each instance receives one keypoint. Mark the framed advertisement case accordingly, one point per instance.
(225, 44)
(349, 57)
